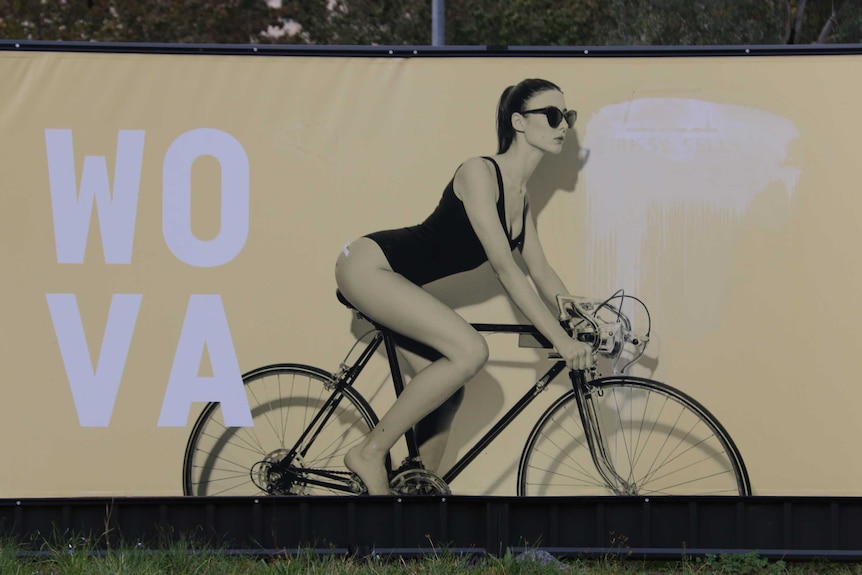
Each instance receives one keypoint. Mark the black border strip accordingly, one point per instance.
(432, 51)
(795, 528)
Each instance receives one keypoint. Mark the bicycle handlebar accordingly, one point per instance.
(603, 324)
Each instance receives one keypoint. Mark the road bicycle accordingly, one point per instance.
(612, 435)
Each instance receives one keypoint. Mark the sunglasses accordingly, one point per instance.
(555, 115)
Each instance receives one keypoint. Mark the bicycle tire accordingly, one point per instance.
(283, 399)
(659, 440)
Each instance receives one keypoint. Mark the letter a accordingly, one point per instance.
(205, 325)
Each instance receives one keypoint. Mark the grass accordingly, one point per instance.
(103, 554)
(80, 556)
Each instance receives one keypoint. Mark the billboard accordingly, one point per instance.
(171, 222)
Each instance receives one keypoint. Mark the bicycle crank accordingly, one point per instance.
(418, 481)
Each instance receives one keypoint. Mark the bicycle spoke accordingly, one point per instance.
(670, 457)
(577, 467)
(225, 461)
(243, 476)
(283, 429)
(690, 481)
(583, 478)
(682, 469)
(266, 416)
(251, 443)
(668, 460)
(655, 419)
(630, 477)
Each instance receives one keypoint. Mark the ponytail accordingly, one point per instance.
(505, 130)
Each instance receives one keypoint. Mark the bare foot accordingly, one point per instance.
(371, 472)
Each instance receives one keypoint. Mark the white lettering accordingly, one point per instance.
(72, 210)
(205, 324)
(94, 391)
(177, 197)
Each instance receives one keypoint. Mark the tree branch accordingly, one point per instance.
(827, 28)
(832, 21)
(800, 15)
(785, 38)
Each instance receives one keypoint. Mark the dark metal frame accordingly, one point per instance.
(433, 51)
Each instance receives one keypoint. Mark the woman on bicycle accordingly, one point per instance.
(484, 215)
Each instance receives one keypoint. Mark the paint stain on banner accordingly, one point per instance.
(668, 183)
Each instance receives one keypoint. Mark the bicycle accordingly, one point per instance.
(613, 435)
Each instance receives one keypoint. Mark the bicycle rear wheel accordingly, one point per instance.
(284, 400)
(658, 440)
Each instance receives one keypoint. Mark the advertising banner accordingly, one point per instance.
(169, 223)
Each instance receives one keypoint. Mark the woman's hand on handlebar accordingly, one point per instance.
(577, 354)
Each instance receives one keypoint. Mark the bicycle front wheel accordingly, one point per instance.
(656, 439)
(260, 460)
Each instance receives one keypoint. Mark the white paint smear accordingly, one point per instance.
(668, 181)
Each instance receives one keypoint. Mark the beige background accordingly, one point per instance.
(722, 191)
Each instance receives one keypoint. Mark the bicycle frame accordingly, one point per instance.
(348, 374)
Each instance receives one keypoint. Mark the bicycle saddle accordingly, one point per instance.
(346, 303)
(343, 300)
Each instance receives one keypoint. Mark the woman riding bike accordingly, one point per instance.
(484, 215)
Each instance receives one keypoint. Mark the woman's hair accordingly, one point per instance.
(512, 100)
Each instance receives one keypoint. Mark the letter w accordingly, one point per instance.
(72, 210)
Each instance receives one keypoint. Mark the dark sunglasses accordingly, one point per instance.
(555, 115)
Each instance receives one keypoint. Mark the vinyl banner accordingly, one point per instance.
(169, 223)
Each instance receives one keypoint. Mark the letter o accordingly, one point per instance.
(177, 197)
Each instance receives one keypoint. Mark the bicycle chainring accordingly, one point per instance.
(418, 481)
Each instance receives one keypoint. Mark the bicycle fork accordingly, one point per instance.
(584, 395)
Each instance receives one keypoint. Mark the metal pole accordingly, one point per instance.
(438, 23)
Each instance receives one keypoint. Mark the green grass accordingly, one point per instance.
(80, 556)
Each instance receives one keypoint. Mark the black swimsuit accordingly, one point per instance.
(445, 243)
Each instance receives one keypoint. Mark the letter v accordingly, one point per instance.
(94, 391)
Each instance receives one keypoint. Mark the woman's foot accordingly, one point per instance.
(371, 470)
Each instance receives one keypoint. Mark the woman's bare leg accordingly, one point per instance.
(365, 278)
(432, 432)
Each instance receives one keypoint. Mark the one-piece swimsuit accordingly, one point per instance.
(445, 243)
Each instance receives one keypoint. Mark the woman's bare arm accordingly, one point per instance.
(547, 281)
(476, 186)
